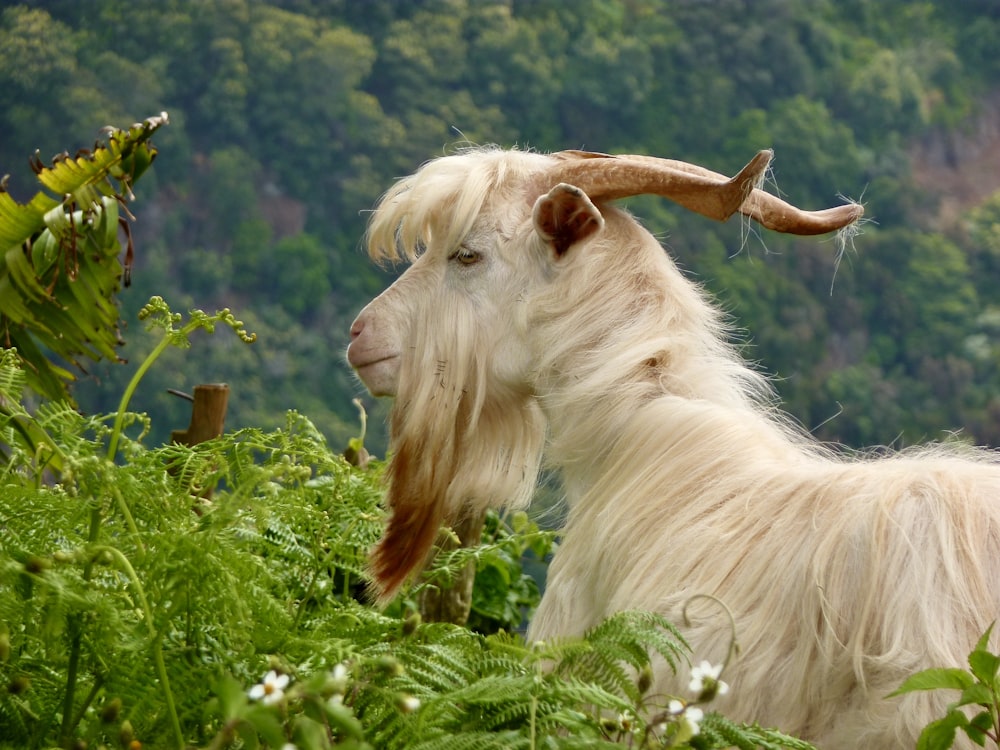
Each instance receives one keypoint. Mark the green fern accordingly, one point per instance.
(719, 731)
(616, 645)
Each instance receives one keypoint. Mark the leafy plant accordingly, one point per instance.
(59, 265)
(505, 590)
(979, 688)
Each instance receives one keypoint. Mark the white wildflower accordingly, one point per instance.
(626, 720)
(409, 703)
(270, 690)
(705, 679)
(699, 673)
(338, 679)
(675, 707)
(691, 719)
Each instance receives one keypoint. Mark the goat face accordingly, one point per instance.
(468, 297)
(484, 282)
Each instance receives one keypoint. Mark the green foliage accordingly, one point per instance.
(299, 273)
(979, 688)
(59, 269)
(133, 609)
(506, 587)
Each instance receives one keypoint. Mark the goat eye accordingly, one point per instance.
(466, 256)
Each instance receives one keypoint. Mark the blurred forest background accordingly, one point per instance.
(290, 117)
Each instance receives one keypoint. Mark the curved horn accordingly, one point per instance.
(772, 212)
(605, 177)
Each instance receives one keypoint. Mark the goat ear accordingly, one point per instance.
(565, 216)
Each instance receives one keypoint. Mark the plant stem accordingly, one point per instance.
(95, 688)
(129, 521)
(300, 610)
(76, 639)
(161, 667)
(534, 710)
(71, 670)
(116, 430)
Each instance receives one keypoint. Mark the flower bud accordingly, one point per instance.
(36, 565)
(126, 735)
(407, 703)
(411, 623)
(103, 558)
(337, 680)
(110, 710)
(645, 681)
(389, 666)
(19, 684)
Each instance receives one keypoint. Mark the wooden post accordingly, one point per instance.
(208, 418)
(208, 415)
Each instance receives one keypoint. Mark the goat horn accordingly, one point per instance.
(606, 177)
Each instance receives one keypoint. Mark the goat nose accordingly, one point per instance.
(357, 327)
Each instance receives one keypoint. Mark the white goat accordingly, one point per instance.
(538, 318)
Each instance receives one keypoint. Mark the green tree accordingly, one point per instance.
(37, 62)
(817, 155)
(305, 95)
(300, 274)
(225, 97)
(982, 244)
(936, 298)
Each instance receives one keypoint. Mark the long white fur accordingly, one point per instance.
(845, 573)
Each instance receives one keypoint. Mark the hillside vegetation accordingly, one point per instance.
(289, 118)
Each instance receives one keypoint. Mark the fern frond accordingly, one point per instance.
(12, 379)
(722, 732)
(633, 634)
(432, 675)
(474, 741)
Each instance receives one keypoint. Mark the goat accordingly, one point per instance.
(538, 319)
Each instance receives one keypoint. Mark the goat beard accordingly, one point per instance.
(459, 444)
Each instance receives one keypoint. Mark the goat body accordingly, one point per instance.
(540, 322)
